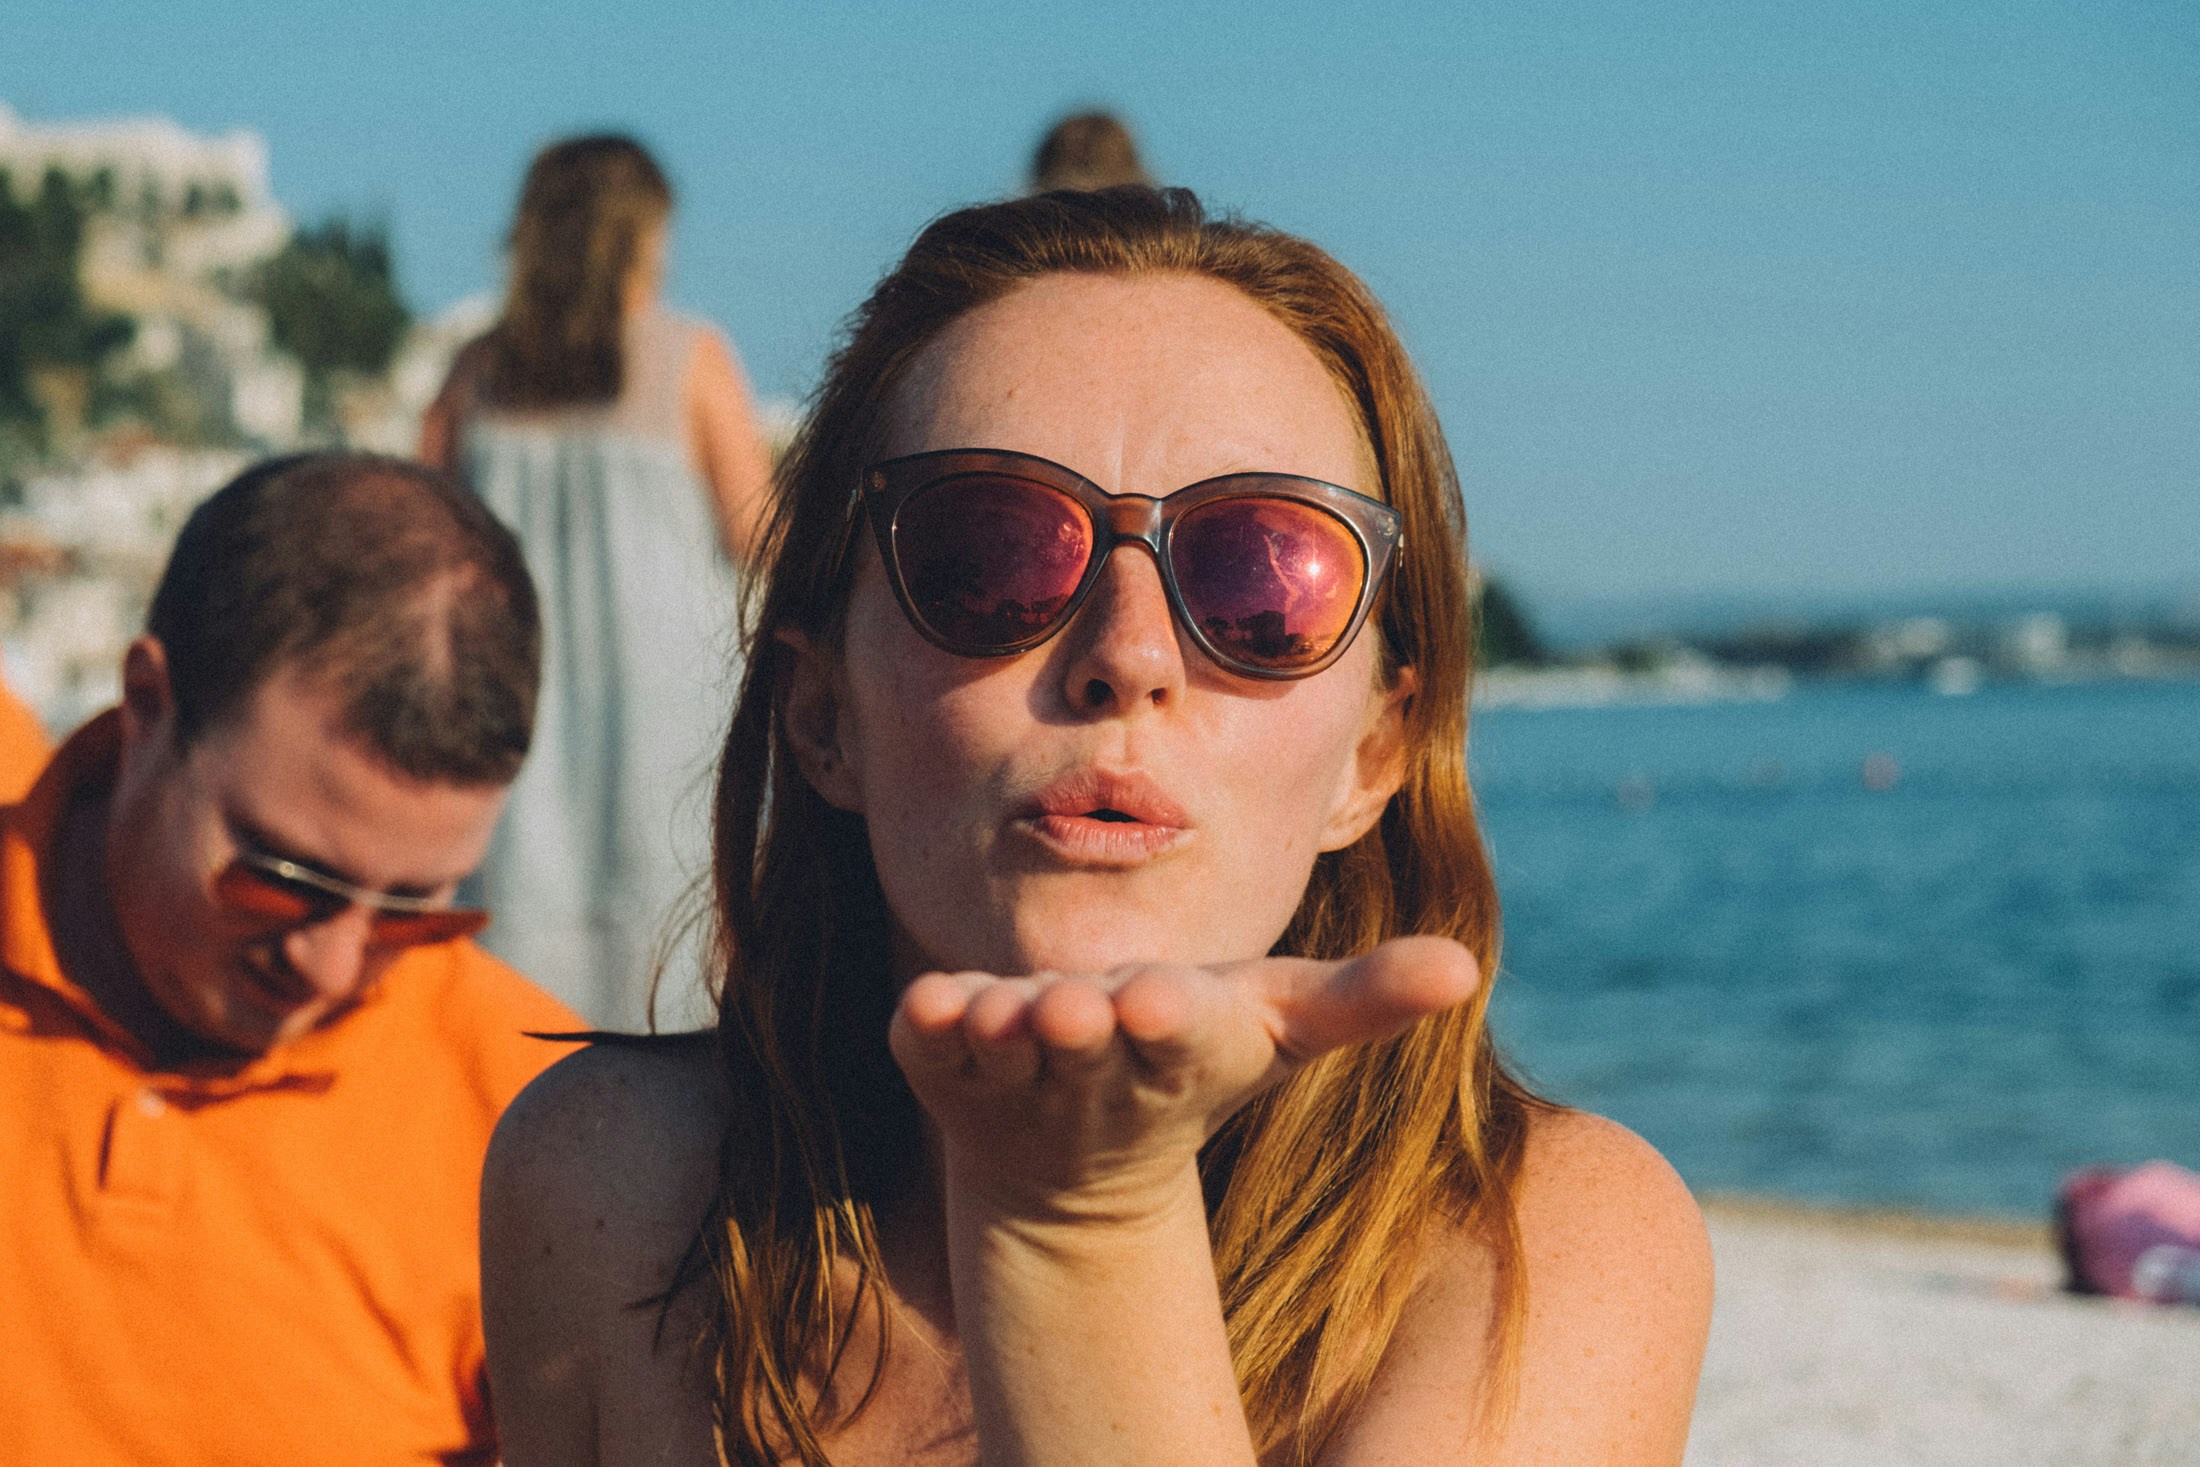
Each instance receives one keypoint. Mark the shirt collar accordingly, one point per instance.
(82, 767)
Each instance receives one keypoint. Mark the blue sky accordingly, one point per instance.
(1825, 300)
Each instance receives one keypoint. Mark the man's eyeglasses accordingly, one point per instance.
(283, 893)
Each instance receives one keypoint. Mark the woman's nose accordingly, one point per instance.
(1124, 650)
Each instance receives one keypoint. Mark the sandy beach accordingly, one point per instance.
(1883, 1341)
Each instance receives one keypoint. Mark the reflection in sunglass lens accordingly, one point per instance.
(1271, 582)
(990, 561)
(262, 895)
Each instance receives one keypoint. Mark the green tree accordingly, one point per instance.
(332, 303)
(46, 325)
(1503, 633)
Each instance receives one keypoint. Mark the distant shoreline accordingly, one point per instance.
(1697, 682)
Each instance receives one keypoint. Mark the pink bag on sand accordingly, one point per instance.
(2134, 1234)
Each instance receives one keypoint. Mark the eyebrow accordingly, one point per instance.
(260, 842)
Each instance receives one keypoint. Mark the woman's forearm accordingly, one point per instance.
(1095, 1337)
(1071, 1113)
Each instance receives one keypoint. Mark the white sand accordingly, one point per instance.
(1839, 1341)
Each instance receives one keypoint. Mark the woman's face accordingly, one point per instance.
(1111, 796)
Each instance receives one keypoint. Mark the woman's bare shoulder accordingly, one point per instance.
(1615, 1272)
(1586, 1185)
(613, 1152)
(1587, 1182)
(595, 1184)
(1618, 1272)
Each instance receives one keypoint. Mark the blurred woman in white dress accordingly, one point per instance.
(619, 442)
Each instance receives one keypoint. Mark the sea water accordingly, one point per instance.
(1860, 945)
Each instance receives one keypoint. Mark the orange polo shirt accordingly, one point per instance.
(267, 1264)
(23, 745)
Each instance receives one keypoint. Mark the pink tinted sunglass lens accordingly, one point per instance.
(990, 561)
(1272, 583)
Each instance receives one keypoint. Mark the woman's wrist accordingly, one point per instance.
(1124, 1204)
(1092, 1324)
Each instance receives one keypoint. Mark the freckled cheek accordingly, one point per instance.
(932, 763)
(1280, 787)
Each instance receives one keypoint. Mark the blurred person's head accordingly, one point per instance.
(876, 786)
(586, 250)
(335, 687)
(1087, 150)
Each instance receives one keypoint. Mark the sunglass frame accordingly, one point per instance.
(329, 895)
(1117, 519)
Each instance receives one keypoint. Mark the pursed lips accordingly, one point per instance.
(1106, 819)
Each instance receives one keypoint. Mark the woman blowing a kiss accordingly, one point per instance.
(1101, 1073)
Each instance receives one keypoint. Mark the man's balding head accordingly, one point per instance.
(380, 577)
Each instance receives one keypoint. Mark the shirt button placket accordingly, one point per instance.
(143, 1162)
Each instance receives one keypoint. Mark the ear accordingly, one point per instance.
(148, 697)
(811, 708)
(1377, 766)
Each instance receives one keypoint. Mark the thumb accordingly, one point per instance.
(1320, 1006)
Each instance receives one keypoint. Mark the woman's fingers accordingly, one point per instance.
(1186, 1019)
(1009, 1031)
(936, 1002)
(926, 1035)
(997, 1030)
(1168, 1015)
(1155, 1007)
(1231, 1026)
(1320, 1006)
(1075, 1021)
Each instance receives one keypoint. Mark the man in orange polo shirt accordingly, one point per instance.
(249, 1059)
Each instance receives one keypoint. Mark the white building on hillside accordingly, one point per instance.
(179, 219)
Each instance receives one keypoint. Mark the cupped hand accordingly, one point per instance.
(1084, 1096)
